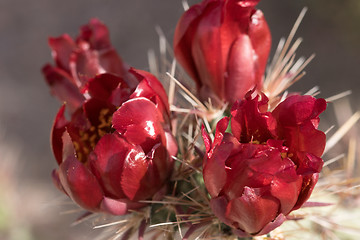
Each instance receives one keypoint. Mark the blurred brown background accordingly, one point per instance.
(30, 207)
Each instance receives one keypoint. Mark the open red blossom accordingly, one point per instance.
(224, 46)
(269, 164)
(116, 146)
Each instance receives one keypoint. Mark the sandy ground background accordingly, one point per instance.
(30, 207)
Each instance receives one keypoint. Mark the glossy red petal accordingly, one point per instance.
(221, 127)
(241, 69)
(135, 168)
(184, 34)
(246, 3)
(214, 170)
(151, 88)
(162, 166)
(260, 36)
(143, 176)
(111, 152)
(218, 44)
(206, 49)
(80, 184)
(138, 121)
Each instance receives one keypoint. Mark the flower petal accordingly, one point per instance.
(252, 211)
(241, 69)
(62, 48)
(57, 132)
(62, 87)
(134, 170)
(111, 152)
(80, 184)
(249, 123)
(138, 121)
(103, 85)
(119, 206)
(96, 34)
(151, 88)
(214, 170)
(306, 189)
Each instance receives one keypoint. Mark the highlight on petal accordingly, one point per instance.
(139, 127)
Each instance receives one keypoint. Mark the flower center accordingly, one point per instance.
(88, 138)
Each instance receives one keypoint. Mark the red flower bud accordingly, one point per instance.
(269, 164)
(116, 147)
(223, 45)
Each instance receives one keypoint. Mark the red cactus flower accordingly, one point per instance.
(223, 45)
(116, 147)
(269, 164)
